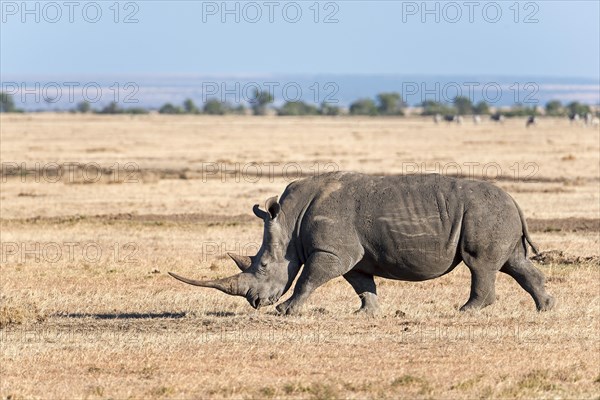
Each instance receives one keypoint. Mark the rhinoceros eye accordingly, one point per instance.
(262, 268)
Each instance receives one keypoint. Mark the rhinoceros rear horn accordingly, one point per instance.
(236, 285)
(243, 262)
(260, 213)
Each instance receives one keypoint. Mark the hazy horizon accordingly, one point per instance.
(154, 90)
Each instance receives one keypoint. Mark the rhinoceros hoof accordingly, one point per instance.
(288, 308)
(369, 312)
(547, 304)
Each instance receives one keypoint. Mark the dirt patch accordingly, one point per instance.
(534, 224)
(77, 173)
(559, 257)
(530, 189)
(149, 219)
(577, 181)
(564, 225)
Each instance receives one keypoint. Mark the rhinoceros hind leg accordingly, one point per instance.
(364, 286)
(320, 268)
(483, 289)
(530, 278)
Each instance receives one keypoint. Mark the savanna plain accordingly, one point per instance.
(95, 210)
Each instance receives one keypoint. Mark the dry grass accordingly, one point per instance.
(18, 313)
(114, 325)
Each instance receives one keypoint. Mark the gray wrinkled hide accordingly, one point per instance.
(411, 228)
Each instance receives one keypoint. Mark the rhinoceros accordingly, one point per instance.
(405, 227)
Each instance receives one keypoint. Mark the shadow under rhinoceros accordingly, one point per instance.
(132, 315)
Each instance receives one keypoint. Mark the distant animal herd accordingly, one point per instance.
(575, 119)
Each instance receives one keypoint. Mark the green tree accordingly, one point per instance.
(519, 110)
(83, 107)
(431, 107)
(135, 110)
(329, 109)
(111, 108)
(260, 101)
(216, 107)
(239, 110)
(7, 103)
(390, 104)
(363, 107)
(554, 107)
(463, 105)
(297, 108)
(576, 107)
(481, 108)
(190, 107)
(169, 108)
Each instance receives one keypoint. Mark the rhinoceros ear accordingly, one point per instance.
(273, 207)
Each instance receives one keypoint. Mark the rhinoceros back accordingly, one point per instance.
(409, 226)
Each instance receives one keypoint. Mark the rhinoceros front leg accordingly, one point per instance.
(318, 269)
(364, 286)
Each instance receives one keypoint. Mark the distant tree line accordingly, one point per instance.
(384, 104)
(557, 109)
(464, 106)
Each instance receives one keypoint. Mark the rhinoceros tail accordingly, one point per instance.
(526, 238)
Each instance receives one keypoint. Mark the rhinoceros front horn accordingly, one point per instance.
(236, 285)
(243, 262)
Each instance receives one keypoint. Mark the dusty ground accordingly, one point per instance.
(95, 210)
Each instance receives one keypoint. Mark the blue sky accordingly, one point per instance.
(369, 37)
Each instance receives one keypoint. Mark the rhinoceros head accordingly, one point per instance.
(269, 274)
